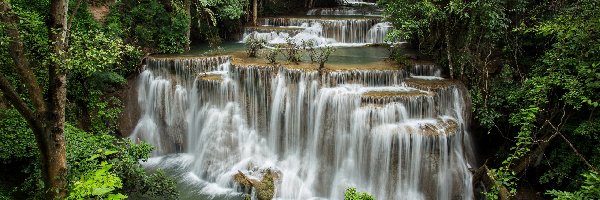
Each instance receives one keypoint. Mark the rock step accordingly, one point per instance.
(385, 97)
(430, 83)
(425, 69)
(429, 127)
(298, 21)
(269, 29)
(345, 11)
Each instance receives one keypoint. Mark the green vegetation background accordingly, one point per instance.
(532, 69)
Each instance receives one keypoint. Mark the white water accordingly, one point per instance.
(345, 11)
(425, 70)
(356, 2)
(322, 134)
(332, 31)
(377, 33)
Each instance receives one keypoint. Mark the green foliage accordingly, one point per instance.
(98, 58)
(33, 34)
(149, 24)
(123, 155)
(270, 55)
(16, 139)
(589, 190)
(99, 184)
(504, 178)
(532, 69)
(98, 61)
(106, 112)
(308, 46)
(572, 62)
(396, 54)
(225, 9)
(86, 154)
(292, 51)
(466, 30)
(4, 195)
(322, 55)
(92, 51)
(487, 110)
(82, 146)
(352, 194)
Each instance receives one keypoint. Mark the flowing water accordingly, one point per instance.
(341, 26)
(395, 134)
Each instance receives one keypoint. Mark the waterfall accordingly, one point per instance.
(357, 2)
(345, 11)
(377, 33)
(333, 31)
(385, 132)
(422, 69)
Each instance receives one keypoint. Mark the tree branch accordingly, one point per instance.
(20, 105)
(73, 14)
(524, 163)
(17, 53)
(575, 150)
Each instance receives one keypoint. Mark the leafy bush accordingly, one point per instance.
(123, 155)
(589, 189)
(352, 194)
(85, 155)
(97, 184)
(308, 46)
(93, 50)
(292, 51)
(271, 55)
(322, 55)
(253, 44)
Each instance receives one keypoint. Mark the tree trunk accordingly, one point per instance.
(449, 56)
(54, 162)
(254, 12)
(188, 12)
(483, 175)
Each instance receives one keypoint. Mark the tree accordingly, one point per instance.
(187, 6)
(532, 72)
(47, 116)
(254, 12)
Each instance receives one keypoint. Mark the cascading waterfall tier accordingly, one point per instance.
(357, 2)
(350, 30)
(425, 69)
(340, 26)
(345, 11)
(325, 31)
(381, 131)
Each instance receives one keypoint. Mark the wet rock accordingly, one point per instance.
(131, 110)
(264, 188)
